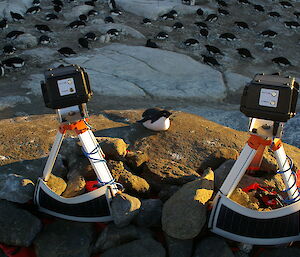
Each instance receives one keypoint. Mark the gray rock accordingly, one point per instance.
(178, 247)
(150, 213)
(114, 148)
(12, 101)
(212, 247)
(284, 251)
(16, 188)
(124, 208)
(57, 184)
(112, 236)
(81, 166)
(19, 6)
(18, 227)
(167, 191)
(75, 187)
(184, 214)
(65, 238)
(26, 41)
(144, 247)
(236, 82)
(74, 12)
(222, 172)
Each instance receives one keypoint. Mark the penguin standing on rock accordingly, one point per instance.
(156, 119)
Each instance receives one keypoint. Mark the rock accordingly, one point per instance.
(2, 254)
(104, 38)
(167, 191)
(179, 248)
(12, 101)
(81, 166)
(164, 171)
(144, 68)
(222, 172)
(70, 150)
(19, 6)
(75, 187)
(16, 188)
(113, 236)
(144, 247)
(65, 238)
(124, 208)
(18, 227)
(56, 184)
(114, 148)
(136, 159)
(26, 41)
(74, 12)
(150, 213)
(236, 82)
(129, 181)
(184, 214)
(38, 56)
(244, 199)
(212, 247)
(279, 252)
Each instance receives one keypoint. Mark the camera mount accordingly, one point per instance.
(239, 223)
(93, 206)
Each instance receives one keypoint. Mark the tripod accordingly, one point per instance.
(239, 223)
(94, 205)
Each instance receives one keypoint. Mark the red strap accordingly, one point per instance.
(15, 251)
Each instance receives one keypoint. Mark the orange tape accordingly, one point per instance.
(79, 127)
(256, 141)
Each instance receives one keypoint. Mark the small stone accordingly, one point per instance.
(124, 208)
(115, 148)
(150, 213)
(244, 199)
(179, 248)
(18, 227)
(213, 247)
(75, 187)
(136, 159)
(25, 41)
(56, 184)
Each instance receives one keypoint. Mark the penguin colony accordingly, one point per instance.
(211, 38)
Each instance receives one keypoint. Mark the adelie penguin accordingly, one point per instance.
(44, 40)
(241, 24)
(151, 44)
(16, 16)
(210, 60)
(76, 24)
(91, 36)
(268, 46)
(9, 49)
(33, 10)
(244, 52)
(93, 13)
(269, 33)
(36, 2)
(112, 4)
(244, 2)
(3, 24)
(199, 12)
(201, 24)
(292, 24)
(222, 3)
(57, 8)
(178, 25)
(43, 28)
(286, 4)
(191, 42)
(228, 36)
(162, 35)
(109, 19)
(14, 34)
(282, 61)
(14, 62)
(258, 8)
(83, 42)
(223, 12)
(204, 33)
(113, 32)
(156, 119)
(146, 21)
(213, 50)
(83, 17)
(115, 12)
(51, 16)
(211, 17)
(66, 51)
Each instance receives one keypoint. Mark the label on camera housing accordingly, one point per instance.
(268, 97)
(66, 86)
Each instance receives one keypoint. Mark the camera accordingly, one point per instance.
(270, 97)
(66, 86)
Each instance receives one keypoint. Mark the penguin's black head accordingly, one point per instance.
(165, 113)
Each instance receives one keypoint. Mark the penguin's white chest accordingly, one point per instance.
(161, 124)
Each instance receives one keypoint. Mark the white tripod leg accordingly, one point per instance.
(94, 152)
(238, 170)
(53, 155)
(287, 176)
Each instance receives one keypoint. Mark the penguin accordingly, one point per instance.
(167, 16)
(213, 50)
(223, 12)
(33, 10)
(83, 17)
(112, 4)
(259, 8)
(274, 14)
(66, 51)
(3, 24)
(245, 53)
(9, 49)
(151, 44)
(228, 36)
(57, 8)
(51, 16)
(282, 61)
(91, 3)
(174, 13)
(44, 40)
(162, 35)
(291, 24)
(58, 2)
(115, 12)
(113, 32)
(91, 36)
(156, 119)
(178, 25)
(244, 2)
(36, 2)
(109, 19)
(241, 24)
(211, 17)
(268, 46)
(93, 13)
(204, 33)
(191, 42)
(286, 4)
(42, 28)
(14, 34)
(297, 14)
(13, 62)
(2, 71)
(201, 24)
(199, 12)
(146, 21)
(222, 3)
(83, 42)
(210, 60)
(16, 16)
(186, 2)
(76, 24)
(269, 33)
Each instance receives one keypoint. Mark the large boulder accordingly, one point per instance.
(18, 227)
(213, 247)
(178, 247)
(184, 214)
